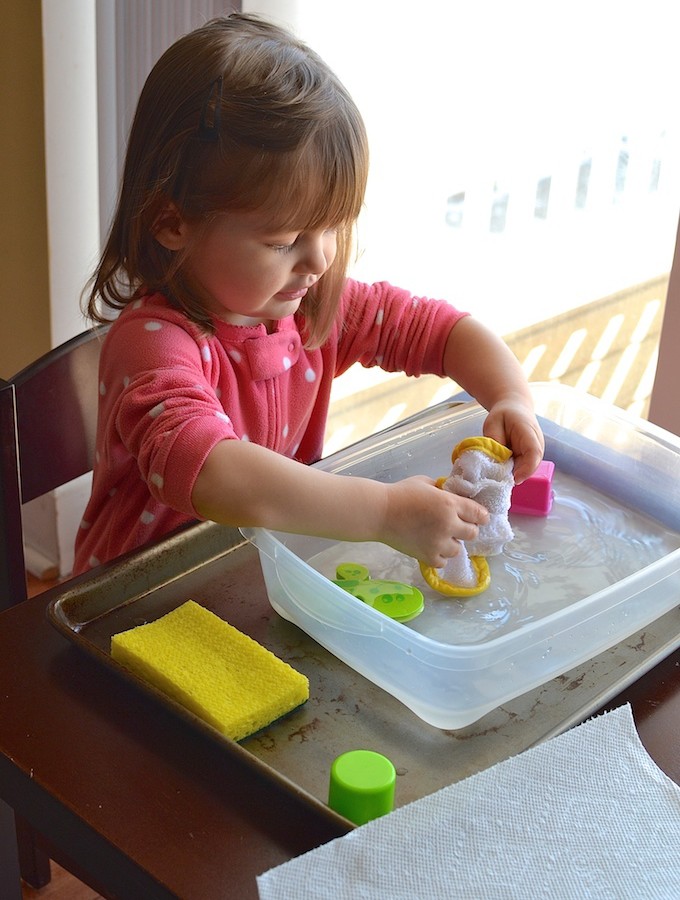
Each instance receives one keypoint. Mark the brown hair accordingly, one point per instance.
(236, 115)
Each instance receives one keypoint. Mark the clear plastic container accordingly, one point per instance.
(604, 563)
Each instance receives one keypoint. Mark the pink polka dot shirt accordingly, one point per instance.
(169, 393)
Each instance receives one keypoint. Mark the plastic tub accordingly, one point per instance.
(603, 564)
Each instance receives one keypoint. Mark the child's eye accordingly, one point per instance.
(286, 247)
(284, 241)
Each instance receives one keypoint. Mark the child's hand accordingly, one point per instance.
(242, 483)
(513, 423)
(427, 523)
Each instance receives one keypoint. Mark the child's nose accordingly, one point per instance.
(314, 259)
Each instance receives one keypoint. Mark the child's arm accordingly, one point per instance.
(487, 369)
(242, 483)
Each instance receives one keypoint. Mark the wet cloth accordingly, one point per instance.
(482, 470)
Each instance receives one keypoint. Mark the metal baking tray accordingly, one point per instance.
(213, 566)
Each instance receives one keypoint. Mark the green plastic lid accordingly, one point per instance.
(351, 571)
(399, 601)
(362, 785)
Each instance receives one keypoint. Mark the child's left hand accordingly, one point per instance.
(512, 423)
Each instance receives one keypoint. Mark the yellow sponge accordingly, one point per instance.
(223, 676)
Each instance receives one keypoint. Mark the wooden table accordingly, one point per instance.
(143, 806)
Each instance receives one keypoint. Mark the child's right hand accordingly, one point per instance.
(242, 483)
(427, 523)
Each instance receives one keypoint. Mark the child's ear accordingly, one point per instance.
(170, 229)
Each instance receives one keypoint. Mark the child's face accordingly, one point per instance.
(253, 274)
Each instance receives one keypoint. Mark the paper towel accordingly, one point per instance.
(587, 814)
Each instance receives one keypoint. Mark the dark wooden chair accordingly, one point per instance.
(48, 419)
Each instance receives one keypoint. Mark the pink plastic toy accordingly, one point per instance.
(534, 497)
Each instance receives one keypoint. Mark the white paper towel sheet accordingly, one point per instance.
(587, 814)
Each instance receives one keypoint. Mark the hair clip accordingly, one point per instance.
(209, 124)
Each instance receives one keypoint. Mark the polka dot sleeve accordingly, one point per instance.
(389, 327)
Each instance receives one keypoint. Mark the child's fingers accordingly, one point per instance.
(527, 455)
(526, 465)
(461, 523)
(429, 523)
(468, 513)
(438, 559)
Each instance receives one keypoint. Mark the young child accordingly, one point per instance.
(245, 174)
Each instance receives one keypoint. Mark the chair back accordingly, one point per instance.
(48, 422)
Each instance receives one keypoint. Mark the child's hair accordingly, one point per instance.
(236, 115)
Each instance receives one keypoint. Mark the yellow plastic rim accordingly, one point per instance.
(485, 444)
(442, 586)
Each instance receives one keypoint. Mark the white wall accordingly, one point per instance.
(73, 225)
(71, 147)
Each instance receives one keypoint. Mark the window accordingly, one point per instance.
(525, 166)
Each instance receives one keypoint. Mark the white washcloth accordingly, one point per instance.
(587, 814)
(459, 570)
(477, 475)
